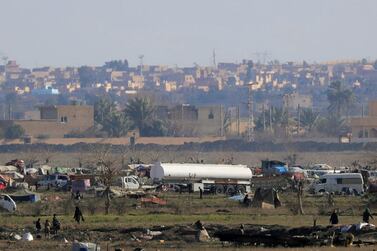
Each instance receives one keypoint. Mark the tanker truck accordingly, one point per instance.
(214, 178)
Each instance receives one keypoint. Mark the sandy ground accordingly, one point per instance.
(336, 159)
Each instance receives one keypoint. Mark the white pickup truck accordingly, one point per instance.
(131, 183)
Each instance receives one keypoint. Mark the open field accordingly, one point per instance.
(181, 210)
(335, 159)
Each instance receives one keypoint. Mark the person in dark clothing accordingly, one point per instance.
(38, 225)
(200, 193)
(55, 224)
(78, 215)
(78, 195)
(367, 215)
(334, 218)
(47, 229)
(242, 229)
(246, 201)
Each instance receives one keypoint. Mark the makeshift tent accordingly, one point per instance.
(80, 185)
(4, 169)
(266, 198)
(25, 196)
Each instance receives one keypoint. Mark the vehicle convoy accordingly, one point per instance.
(340, 182)
(209, 177)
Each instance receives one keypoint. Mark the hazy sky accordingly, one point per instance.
(78, 32)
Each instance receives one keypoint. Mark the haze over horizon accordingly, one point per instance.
(90, 32)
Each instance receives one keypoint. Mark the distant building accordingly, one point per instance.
(48, 90)
(197, 121)
(56, 121)
(293, 100)
(366, 126)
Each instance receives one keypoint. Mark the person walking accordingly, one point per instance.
(78, 215)
(38, 225)
(47, 229)
(55, 225)
(200, 193)
(367, 215)
(334, 219)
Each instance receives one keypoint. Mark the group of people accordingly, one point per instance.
(334, 218)
(54, 226)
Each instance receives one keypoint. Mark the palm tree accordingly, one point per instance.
(340, 98)
(112, 121)
(308, 118)
(140, 112)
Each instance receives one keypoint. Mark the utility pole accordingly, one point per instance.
(238, 120)
(362, 115)
(141, 57)
(270, 118)
(221, 122)
(250, 103)
(264, 118)
(299, 118)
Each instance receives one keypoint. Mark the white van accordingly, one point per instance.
(340, 182)
(7, 203)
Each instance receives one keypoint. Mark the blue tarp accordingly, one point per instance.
(281, 169)
(26, 198)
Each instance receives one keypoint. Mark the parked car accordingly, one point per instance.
(7, 203)
(54, 180)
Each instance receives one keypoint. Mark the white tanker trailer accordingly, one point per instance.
(210, 177)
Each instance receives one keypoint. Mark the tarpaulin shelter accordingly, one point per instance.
(266, 198)
(80, 185)
(25, 196)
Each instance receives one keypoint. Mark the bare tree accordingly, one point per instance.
(31, 158)
(109, 169)
(47, 155)
(300, 193)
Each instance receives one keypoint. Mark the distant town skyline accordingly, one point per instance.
(72, 33)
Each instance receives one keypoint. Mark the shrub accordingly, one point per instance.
(120, 205)
(14, 132)
(43, 136)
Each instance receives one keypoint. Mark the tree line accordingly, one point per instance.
(138, 114)
(333, 123)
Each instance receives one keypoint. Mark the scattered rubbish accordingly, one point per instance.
(82, 246)
(16, 236)
(27, 237)
(202, 234)
(154, 200)
(238, 197)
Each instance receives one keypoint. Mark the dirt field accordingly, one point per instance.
(335, 159)
(181, 211)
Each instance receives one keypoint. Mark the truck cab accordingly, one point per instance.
(128, 182)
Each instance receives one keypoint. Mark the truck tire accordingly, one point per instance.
(219, 189)
(241, 189)
(230, 190)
